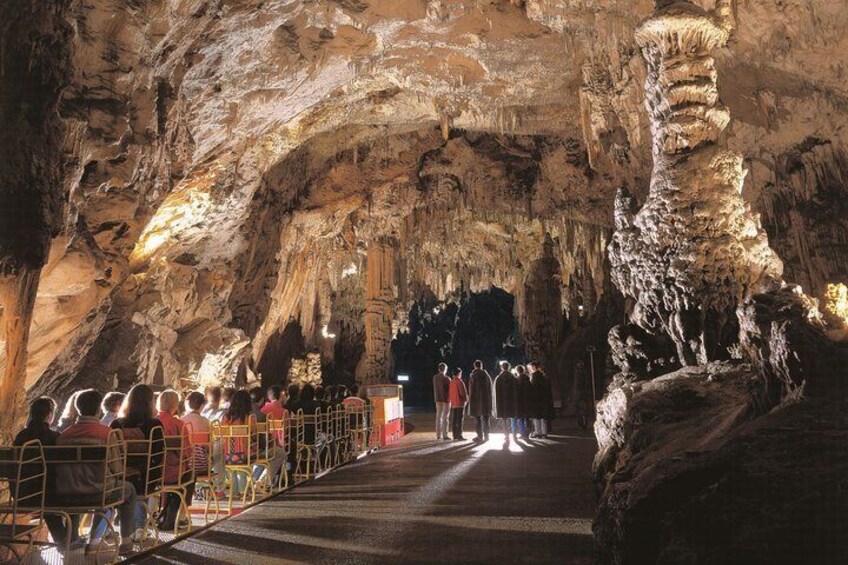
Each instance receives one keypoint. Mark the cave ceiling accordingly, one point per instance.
(228, 164)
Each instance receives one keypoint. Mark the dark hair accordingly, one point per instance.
(307, 392)
(520, 369)
(320, 392)
(505, 365)
(139, 405)
(228, 393)
(40, 408)
(215, 392)
(294, 392)
(354, 389)
(112, 401)
(478, 364)
(195, 400)
(457, 372)
(331, 394)
(257, 394)
(240, 407)
(275, 391)
(88, 402)
(341, 392)
(442, 367)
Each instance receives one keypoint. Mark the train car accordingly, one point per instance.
(387, 400)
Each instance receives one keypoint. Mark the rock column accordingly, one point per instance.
(694, 250)
(376, 364)
(35, 63)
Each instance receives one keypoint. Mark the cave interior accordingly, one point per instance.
(201, 192)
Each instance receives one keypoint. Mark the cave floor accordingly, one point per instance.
(422, 501)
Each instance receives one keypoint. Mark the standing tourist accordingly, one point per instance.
(480, 399)
(506, 400)
(523, 399)
(543, 402)
(441, 389)
(458, 395)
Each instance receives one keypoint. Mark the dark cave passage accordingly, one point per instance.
(476, 326)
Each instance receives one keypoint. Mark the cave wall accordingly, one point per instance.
(224, 163)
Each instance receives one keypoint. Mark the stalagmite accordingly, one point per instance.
(694, 249)
(376, 364)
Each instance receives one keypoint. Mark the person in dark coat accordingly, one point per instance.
(506, 400)
(480, 399)
(543, 400)
(523, 398)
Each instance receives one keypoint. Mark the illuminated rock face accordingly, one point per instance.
(227, 165)
(694, 250)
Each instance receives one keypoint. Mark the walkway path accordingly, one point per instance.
(422, 501)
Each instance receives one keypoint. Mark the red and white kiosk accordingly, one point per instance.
(387, 400)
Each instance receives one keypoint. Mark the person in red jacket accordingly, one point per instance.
(458, 399)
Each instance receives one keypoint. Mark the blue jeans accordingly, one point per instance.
(519, 424)
(131, 513)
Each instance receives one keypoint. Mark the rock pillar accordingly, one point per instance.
(540, 310)
(376, 364)
(694, 250)
(35, 63)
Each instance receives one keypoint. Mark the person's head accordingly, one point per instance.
(520, 369)
(213, 395)
(457, 373)
(194, 401)
(294, 392)
(341, 392)
(88, 402)
(112, 402)
(478, 364)
(41, 411)
(69, 413)
(307, 393)
(354, 389)
(228, 393)
(256, 395)
(505, 366)
(533, 366)
(274, 392)
(320, 393)
(240, 406)
(443, 368)
(168, 401)
(138, 405)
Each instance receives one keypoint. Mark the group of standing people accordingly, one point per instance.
(522, 399)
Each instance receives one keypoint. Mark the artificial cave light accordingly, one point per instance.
(836, 301)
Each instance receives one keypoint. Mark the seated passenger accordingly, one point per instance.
(111, 406)
(353, 398)
(274, 409)
(69, 414)
(138, 423)
(258, 400)
(292, 398)
(41, 414)
(213, 411)
(168, 404)
(197, 424)
(75, 480)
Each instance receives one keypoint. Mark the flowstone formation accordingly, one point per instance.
(694, 250)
